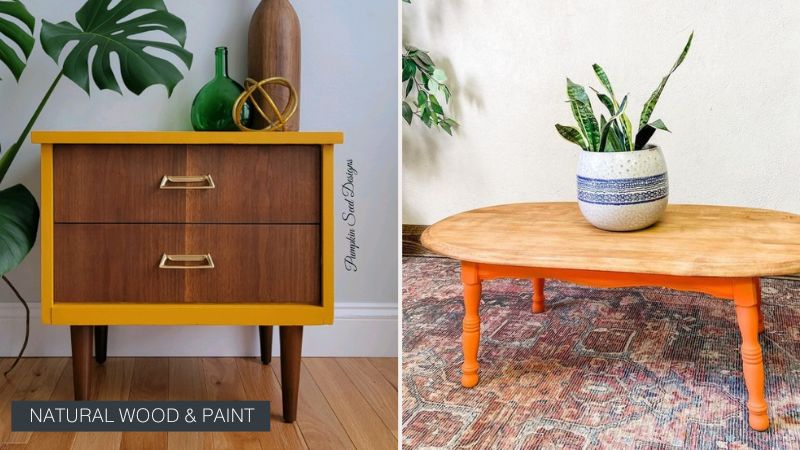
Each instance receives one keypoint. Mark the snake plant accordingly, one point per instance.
(615, 133)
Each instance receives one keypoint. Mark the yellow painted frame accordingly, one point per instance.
(119, 313)
(187, 137)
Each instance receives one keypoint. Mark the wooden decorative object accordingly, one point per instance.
(187, 228)
(720, 251)
(273, 50)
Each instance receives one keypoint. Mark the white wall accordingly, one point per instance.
(732, 105)
(349, 80)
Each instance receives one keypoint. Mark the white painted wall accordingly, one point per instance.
(349, 81)
(732, 105)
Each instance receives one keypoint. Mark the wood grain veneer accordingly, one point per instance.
(256, 184)
(119, 183)
(253, 263)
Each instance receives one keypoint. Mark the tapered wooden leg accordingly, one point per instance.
(537, 300)
(471, 337)
(265, 338)
(100, 343)
(760, 310)
(291, 344)
(746, 300)
(81, 336)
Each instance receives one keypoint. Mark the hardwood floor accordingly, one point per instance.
(344, 402)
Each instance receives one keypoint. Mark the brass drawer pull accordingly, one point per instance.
(206, 259)
(181, 182)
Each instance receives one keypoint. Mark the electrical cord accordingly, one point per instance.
(27, 325)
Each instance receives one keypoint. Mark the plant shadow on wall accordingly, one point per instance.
(427, 95)
(107, 31)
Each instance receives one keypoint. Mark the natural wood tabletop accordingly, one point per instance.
(690, 240)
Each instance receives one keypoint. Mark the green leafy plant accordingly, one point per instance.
(108, 31)
(615, 133)
(424, 84)
(22, 37)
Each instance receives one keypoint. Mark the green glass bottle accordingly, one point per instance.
(212, 108)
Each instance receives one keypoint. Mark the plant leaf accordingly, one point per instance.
(627, 130)
(21, 37)
(647, 131)
(606, 101)
(408, 68)
(582, 110)
(601, 75)
(439, 76)
(444, 89)
(111, 31)
(19, 223)
(607, 127)
(650, 105)
(408, 114)
(571, 134)
(615, 139)
(426, 117)
(446, 127)
(422, 99)
(658, 124)
(643, 136)
(424, 58)
(435, 106)
(433, 85)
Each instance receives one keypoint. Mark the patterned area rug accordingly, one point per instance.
(601, 368)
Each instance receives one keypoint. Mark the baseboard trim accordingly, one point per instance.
(359, 329)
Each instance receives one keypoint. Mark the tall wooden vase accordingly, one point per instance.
(274, 51)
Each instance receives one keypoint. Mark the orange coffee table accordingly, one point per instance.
(721, 251)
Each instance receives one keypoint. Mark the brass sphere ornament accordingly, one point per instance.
(275, 122)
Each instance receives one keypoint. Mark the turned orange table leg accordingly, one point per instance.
(470, 339)
(760, 310)
(537, 301)
(745, 297)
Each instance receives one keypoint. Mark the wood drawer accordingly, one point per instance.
(120, 183)
(252, 263)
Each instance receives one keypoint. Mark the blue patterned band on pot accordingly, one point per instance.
(626, 191)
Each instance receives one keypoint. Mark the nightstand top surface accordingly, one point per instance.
(188, 137)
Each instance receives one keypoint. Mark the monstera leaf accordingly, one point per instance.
(19, 221)
(114, 31)
(21, 37)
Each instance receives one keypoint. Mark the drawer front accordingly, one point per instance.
(122, 184)
(251, 263)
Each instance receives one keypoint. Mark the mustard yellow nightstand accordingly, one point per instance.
(187, 228)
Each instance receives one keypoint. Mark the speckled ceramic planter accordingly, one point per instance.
(622, 191)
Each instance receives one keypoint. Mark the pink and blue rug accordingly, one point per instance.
(601, 368)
